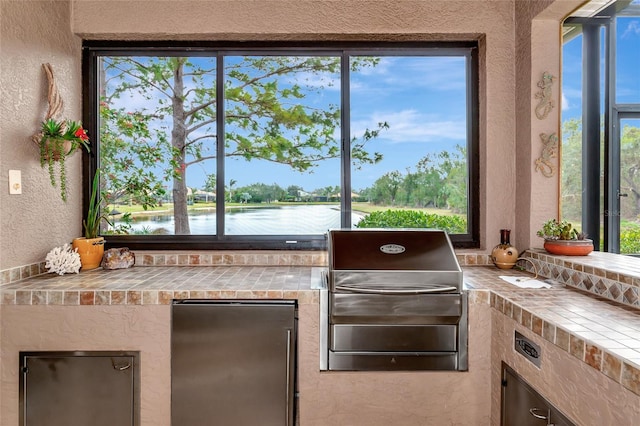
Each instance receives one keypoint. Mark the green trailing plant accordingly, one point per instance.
(560, 230)
(96, 212)
(59, 140)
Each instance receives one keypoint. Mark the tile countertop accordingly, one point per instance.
(601, 333)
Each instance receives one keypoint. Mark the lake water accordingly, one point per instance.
(277, 220)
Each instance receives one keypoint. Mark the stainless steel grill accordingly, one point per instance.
(393, 301)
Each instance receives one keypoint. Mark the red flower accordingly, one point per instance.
(82, 134)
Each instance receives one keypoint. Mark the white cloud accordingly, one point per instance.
(632, 29)
(412, 73)
(565, 103)
(412, 126)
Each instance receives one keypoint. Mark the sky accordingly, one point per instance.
(628, 68)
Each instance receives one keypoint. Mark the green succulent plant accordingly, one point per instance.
(563, 230)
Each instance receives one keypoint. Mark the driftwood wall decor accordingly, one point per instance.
(53, 99)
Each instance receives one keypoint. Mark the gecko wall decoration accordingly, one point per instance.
(544, 164)
(546, 103)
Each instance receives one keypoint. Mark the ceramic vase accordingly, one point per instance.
(504, 255)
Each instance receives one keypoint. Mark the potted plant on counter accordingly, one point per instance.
(91, 246)
(563, 239)
(59, 140)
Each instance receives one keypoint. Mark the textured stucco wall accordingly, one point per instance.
(584, 394)
(32, 33)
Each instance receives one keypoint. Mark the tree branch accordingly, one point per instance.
(198, 126)
(199, 160)
(199, 108)
(145, 80)
(193, 141)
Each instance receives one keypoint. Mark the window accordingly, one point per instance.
(201, 145)
(601, 124)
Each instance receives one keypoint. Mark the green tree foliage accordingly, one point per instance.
(440, 181)
(210, 183)
(174, 126)
(571, 167)
(259, 193)
(630, 172)
(630, 240)
(413, 219)
(571, 178)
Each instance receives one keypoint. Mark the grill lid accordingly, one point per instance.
(388, 258)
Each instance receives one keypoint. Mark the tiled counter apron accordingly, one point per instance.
(603, 334)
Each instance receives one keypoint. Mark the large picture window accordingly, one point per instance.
(223, 146)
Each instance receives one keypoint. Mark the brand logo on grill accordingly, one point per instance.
(392, 249)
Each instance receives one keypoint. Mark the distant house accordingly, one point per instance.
(204, 196)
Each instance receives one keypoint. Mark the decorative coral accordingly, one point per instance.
(63, 260)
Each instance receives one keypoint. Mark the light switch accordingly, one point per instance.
(15, 182)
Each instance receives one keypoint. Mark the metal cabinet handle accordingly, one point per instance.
(534, 413)
(120, 367)
(288, 421)
(385, 291)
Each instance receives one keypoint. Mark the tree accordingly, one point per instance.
(440, 180)
(265, 117)
(210, 183)
(630, 171)
(229, 188)
(571, 170)
(386, 187)
(453, 165)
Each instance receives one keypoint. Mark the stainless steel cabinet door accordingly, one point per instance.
(233, 363)
(77, 389)
(523, 406)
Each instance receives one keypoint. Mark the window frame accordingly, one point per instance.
(92, 50)
(601, 29)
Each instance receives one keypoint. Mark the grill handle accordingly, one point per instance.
(385, 291)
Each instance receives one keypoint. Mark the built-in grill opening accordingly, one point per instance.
(393, 301)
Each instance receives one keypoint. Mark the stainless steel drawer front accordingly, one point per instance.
(384, 338)
(395, 309)
(392, 362)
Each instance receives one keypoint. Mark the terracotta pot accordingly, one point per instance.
(569, 247)
(90, 250)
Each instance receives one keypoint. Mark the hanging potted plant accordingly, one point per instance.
(563, 239)
(59, 140)
(91, 246)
